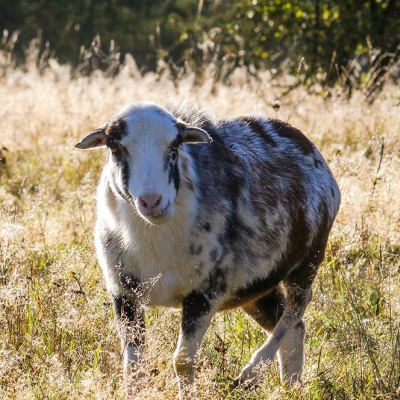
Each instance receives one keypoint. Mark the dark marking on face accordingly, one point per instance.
(195, 306)
(119, 156)
(297, 137)
(171, 166)
(174, 175)
(125, 173)
(120, 178)
(116, 130)
(173, 153)
(257, 127)
(178, 140)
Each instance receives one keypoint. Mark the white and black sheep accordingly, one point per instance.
(209, 215)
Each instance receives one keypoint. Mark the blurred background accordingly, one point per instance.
(329, 41)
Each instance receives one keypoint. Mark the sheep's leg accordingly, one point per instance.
(287, 337)
(284, 335)
(132, 331)
(291, 354)
(197, 314)
(267, 311)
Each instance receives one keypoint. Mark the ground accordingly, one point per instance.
(58, 336)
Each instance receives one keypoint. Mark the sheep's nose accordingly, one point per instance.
(150, 200)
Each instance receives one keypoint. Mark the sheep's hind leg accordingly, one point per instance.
(282, 318)
(267, 311)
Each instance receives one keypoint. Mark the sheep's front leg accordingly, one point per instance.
(132, 331)
(197, 313)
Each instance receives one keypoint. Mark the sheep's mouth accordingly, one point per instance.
(160, 217)
(160, 213)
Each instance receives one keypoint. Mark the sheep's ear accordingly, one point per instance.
(193, 135)
(97, 138)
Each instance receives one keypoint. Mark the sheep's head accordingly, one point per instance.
(144, 142)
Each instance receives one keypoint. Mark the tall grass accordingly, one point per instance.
(58, 337)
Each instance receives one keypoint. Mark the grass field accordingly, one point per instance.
(58, 337)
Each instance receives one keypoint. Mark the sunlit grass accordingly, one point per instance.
(58, 337)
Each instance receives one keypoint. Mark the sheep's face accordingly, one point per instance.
(144, 142)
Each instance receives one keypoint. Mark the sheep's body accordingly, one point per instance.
(231, 224)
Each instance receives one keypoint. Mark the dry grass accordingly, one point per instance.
(58, 336)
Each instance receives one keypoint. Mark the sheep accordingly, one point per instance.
(208, 215)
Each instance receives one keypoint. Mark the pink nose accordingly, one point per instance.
(150, 200)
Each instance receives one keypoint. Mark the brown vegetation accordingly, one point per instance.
(58, 338)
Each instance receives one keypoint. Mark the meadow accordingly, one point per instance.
(58, 336)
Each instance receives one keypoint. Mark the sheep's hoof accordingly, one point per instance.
(234, 384)
(245, 383)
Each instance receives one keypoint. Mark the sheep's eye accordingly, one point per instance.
(173, 149)
(174, 146)
(112, 145)
(173, 153)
